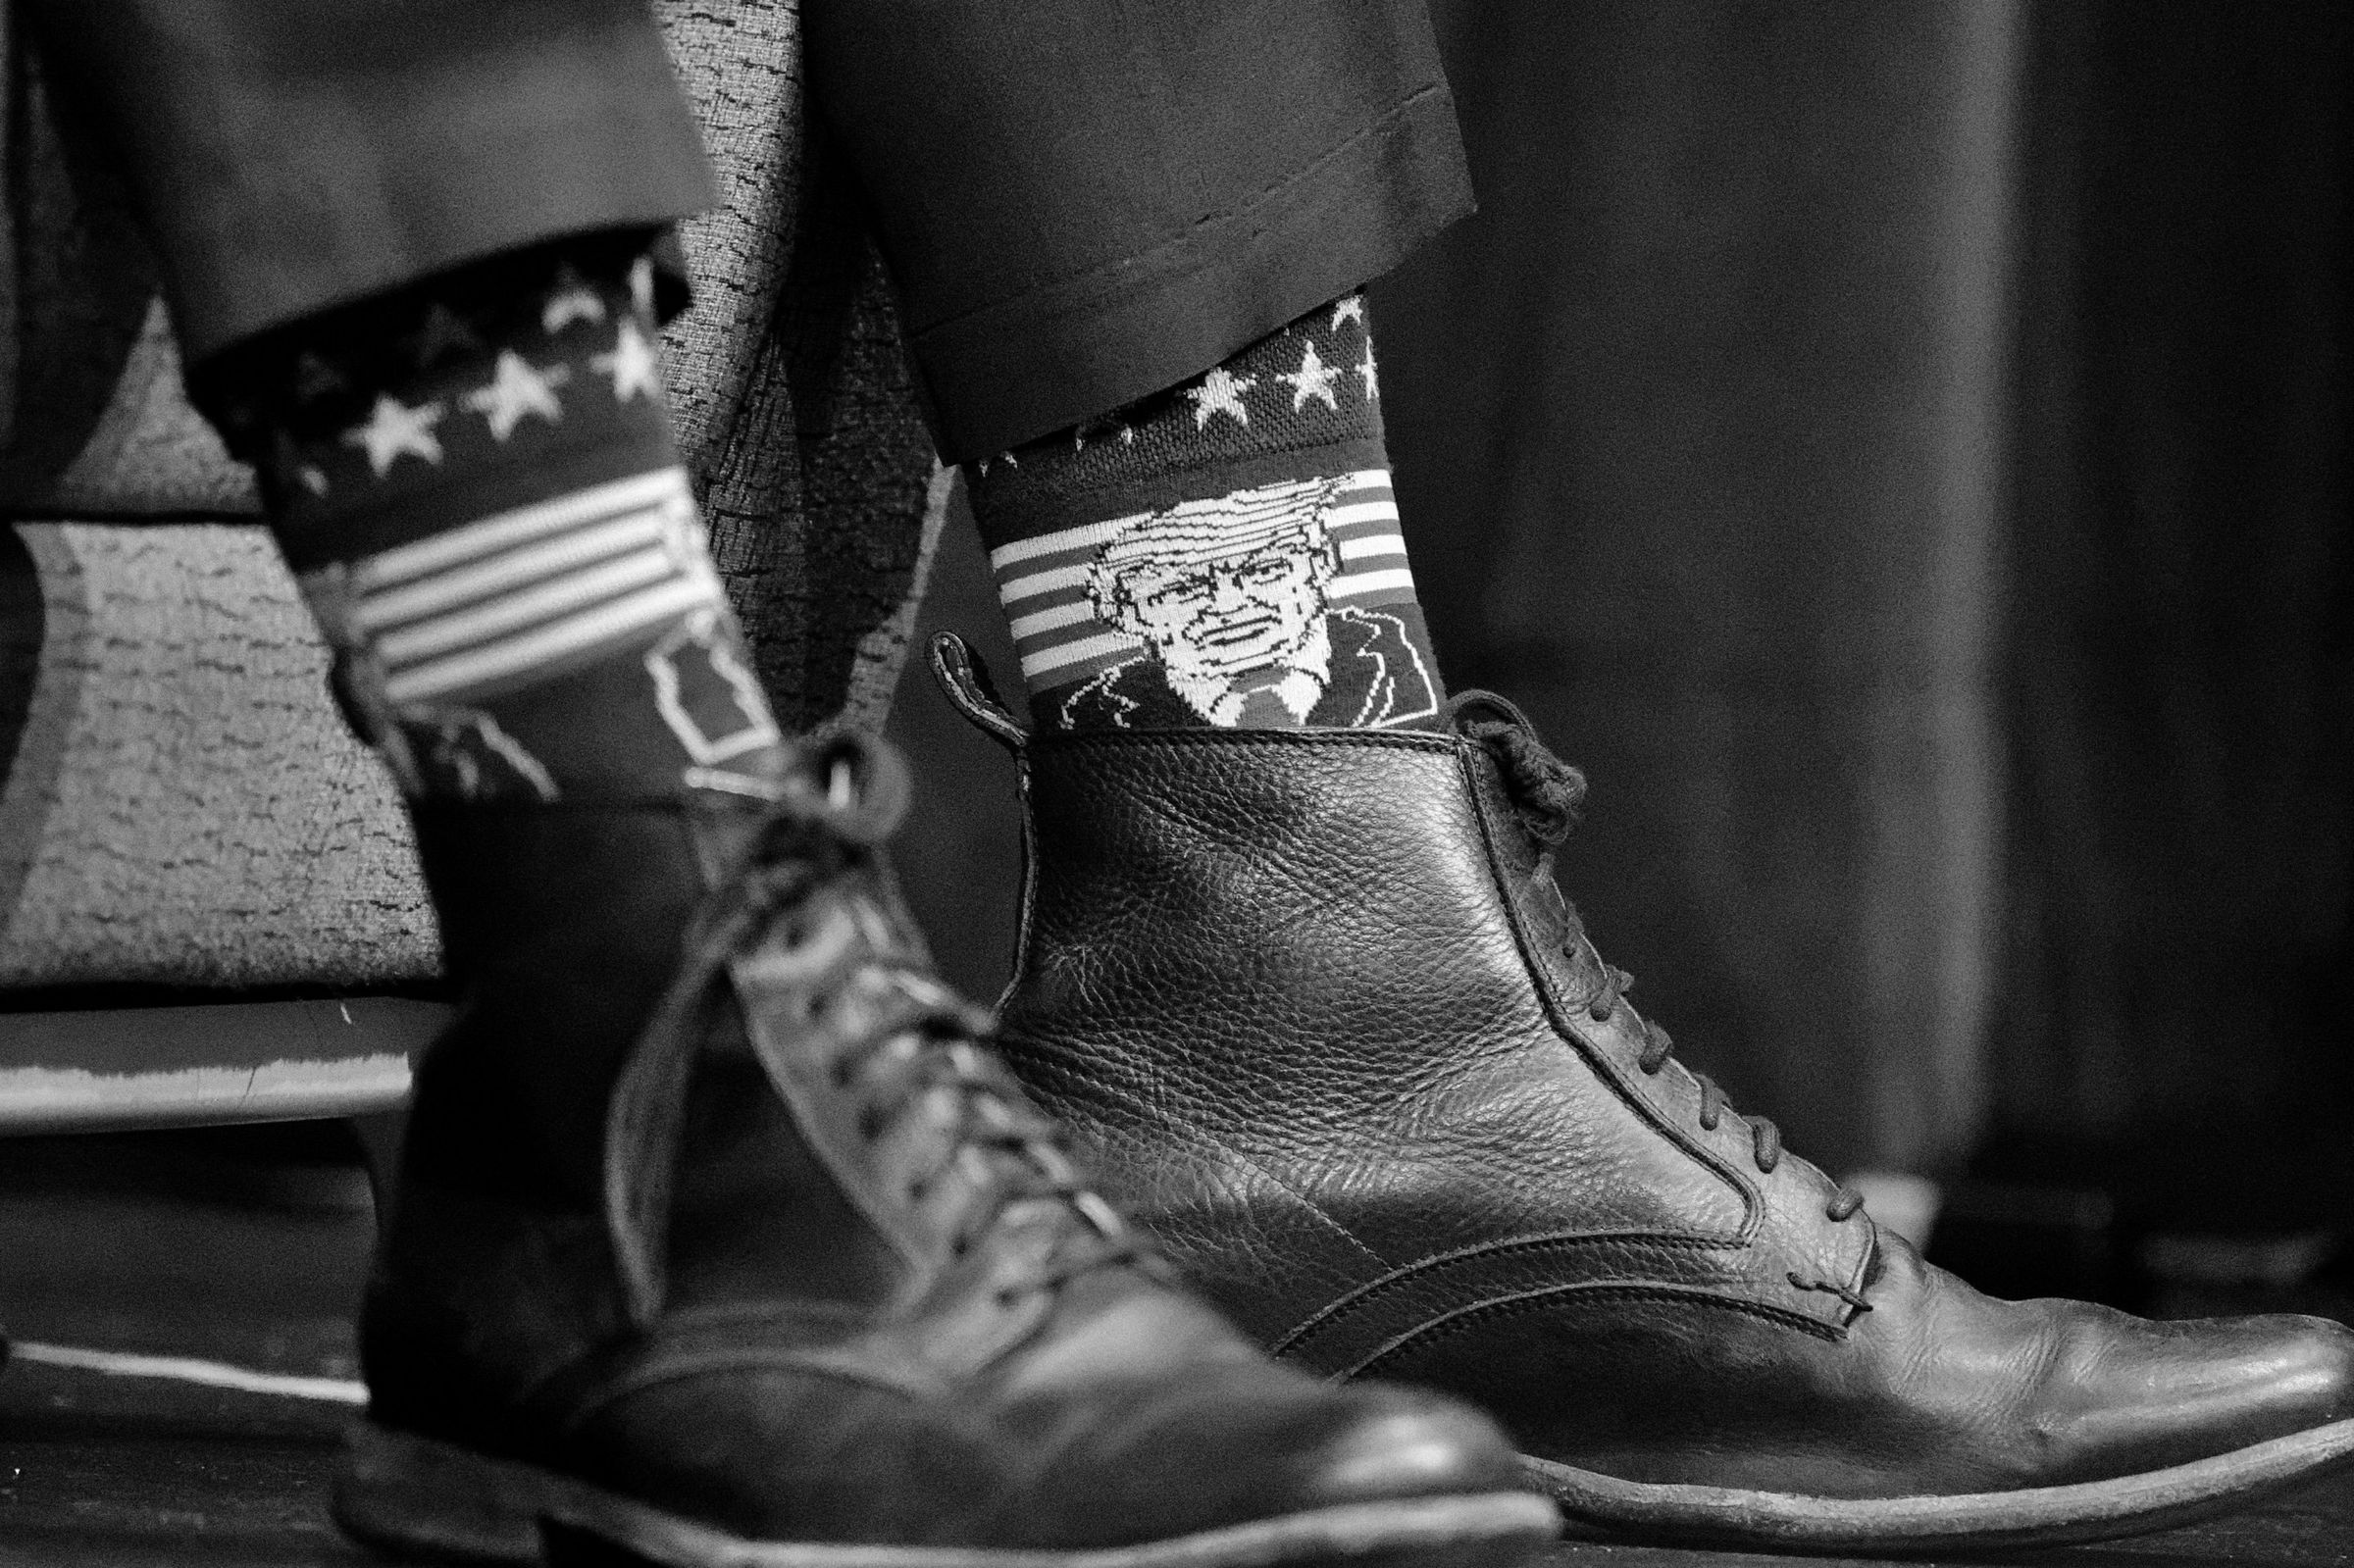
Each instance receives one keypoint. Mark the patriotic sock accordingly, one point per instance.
(477, 489)
(1224, 553)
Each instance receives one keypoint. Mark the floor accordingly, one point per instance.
(137, 1247)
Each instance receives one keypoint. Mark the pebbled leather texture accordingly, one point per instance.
(712, 1199)
(1336, 1039)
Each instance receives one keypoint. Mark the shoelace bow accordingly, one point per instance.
(910, 1036)
(1547, 792)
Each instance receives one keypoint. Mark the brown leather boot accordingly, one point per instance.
(721, 1239)
(1339, 1040)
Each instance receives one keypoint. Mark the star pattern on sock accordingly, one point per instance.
(531, 372)
(1305, 386)
(442, 333)
(1312, 379)
(316, 377)
(517, 391)
(633, 365)
(394, 431)
(509, 393)
(571, 300)
(1220, 392)
(1103, 427)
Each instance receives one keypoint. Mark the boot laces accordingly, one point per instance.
(908, 1040)
(931, 1046)
(901, 1039)
(1546, 792)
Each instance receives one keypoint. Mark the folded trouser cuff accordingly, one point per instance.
(288, 156)
(1067, 352)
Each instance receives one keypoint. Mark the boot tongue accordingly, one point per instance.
(1587, 975)
(1576, 967)
(1543, 792)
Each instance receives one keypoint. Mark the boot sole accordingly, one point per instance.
(404, 1495)
(1669, 1514)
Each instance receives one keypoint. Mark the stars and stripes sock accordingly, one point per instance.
(478, 490)
(1224, 553)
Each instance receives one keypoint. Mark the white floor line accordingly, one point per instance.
(188, 1369)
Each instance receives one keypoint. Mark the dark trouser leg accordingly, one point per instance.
(293, 155)
(1082, 205)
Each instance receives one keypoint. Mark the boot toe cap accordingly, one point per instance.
(1399, 1444)
(1258, 1443)
(2210, 1387)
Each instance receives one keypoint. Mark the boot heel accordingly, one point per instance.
(407, 1497)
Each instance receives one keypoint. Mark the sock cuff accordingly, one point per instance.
(475, 413)
(315, 374)
(1299, 401)
(1052, 508)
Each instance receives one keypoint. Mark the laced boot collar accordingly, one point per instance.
(1546, 793)
(802, 894)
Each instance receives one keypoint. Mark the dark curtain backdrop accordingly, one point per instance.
(1894, 447)
(2178, 684)
(1697, 428)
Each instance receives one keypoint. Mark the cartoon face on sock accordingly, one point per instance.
(1229, 593)
(1226, 617)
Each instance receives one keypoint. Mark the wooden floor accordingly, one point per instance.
(99, 1249)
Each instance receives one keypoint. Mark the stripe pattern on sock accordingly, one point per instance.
(521, 595)
(1051, 587)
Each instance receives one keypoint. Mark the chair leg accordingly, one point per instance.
(380, 1137)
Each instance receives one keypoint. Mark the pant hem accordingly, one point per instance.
(1079, 348)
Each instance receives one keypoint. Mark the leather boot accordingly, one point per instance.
(1316, 1002)
(720, 1239)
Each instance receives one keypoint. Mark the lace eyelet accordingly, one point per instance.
(1601, 1014)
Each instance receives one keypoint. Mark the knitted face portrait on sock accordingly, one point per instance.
(1226, 553)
